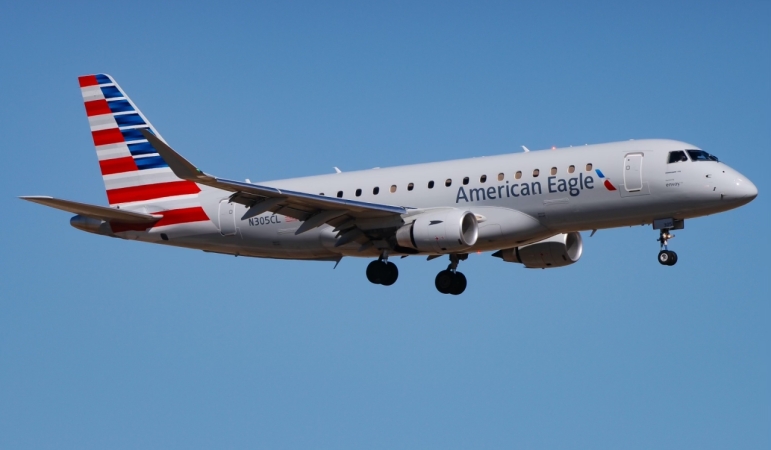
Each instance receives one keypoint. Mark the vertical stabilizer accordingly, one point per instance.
(132, 170)
(134, 174)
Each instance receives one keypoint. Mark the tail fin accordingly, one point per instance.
(133, 172)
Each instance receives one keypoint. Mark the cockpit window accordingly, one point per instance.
(678, 156)
(701, 155)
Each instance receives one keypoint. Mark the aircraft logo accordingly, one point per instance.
(608, 185)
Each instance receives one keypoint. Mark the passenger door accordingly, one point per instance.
(633, 163)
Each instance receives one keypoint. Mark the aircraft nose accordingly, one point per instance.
(747, 189)
(739, 189)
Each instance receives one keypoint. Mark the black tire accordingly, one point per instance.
(390, 274)
(672, 258)
(375, 271)
(458, 284)
(664, 258)
(443, 281)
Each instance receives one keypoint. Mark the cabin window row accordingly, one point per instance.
(466, 180)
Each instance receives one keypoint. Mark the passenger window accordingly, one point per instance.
(448, 182)
(536, 172)
(589, 167)
(500, 177)
(465, 181)
(678, 156)
(431, 184)
(358, 192)
(571, 169)
(393, 188)
(410, 186)
(339, 194)
(554, 171)
(518, 175)
(376, 190)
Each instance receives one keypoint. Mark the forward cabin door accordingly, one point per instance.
(227, 218)
(633, 172)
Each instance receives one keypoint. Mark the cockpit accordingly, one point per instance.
(690, 155)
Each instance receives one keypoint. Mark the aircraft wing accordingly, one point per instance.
(314, 210)
(94, 211)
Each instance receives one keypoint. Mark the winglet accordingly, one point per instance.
(180, 166)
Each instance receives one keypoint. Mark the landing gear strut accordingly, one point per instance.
(381, 271)
(450, 281)
(666, 257)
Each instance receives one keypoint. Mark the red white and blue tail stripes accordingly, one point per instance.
(132, 170)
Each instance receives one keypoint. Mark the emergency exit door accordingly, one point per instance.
(633, 172)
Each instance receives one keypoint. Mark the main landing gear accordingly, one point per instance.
(381, 271)
(450, 281)
(666, 257)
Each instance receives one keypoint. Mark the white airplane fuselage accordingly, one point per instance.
(511, 211)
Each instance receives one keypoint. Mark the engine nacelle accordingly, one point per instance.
(557, 251)
(443, 231)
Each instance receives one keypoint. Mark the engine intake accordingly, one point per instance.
(557, 251)
(444, 231)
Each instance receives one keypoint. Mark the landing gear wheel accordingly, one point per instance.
(673, 259)
(664, 257)
(375, 271)
(458, 284)
(443, 281)
(390, 274)
(382, 272)
(667, 258)
(449, 282)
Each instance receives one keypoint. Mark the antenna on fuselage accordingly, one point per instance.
(525, 149)
(338, 170)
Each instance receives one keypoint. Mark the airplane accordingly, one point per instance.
(527, 207)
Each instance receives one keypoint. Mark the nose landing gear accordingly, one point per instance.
(381, 271)
(666, 257)
(450, 281)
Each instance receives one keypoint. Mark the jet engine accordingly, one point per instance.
(442, 231)
(557, 251)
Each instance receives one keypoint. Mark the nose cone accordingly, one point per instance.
(740, 190)
(752, 190)
(745, 189)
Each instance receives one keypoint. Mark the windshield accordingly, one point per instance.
(678, 156)
(701, 155)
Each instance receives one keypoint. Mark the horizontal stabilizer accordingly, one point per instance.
(94, 211)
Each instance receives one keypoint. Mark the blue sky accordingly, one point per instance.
(114, 344)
